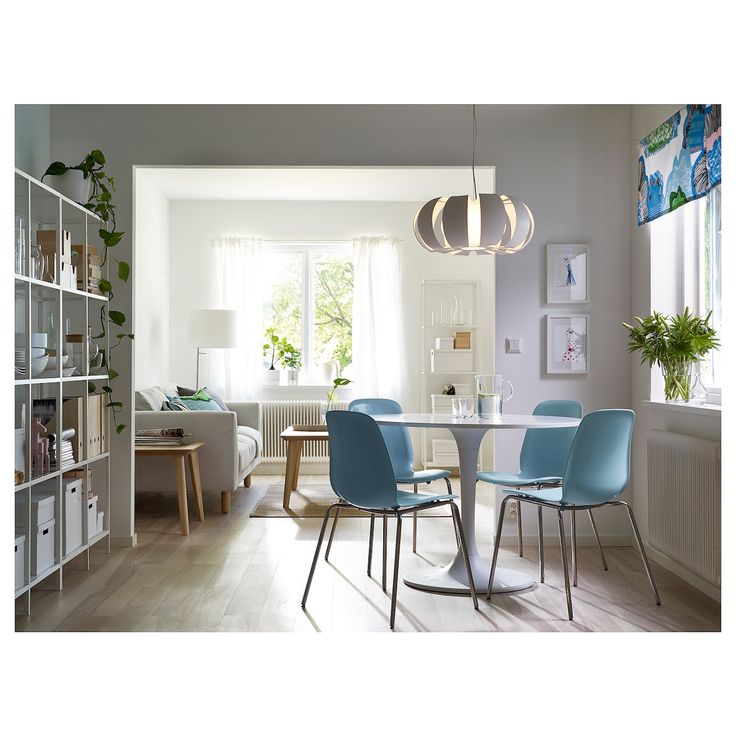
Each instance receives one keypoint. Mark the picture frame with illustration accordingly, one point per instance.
(568, 272)
(568, 341)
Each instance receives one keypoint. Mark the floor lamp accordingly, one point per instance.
(212, 328)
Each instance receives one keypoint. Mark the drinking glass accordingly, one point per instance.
(462, 407)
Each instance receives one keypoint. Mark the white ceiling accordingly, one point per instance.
(306, 183)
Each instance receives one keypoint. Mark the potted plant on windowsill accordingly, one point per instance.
(675, 343)
(291, 359)
(270, 352)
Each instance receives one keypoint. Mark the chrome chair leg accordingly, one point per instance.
(499, 529)
(385, 552)
(597, 539)
(540, 534)
(414, 525)
(642, 551)
(370, 543)
(563, 553)
(395, 585)
(449, 490)
(460, 533)
(316, 553)
(520, 544)
(574, 548)
(332, 534)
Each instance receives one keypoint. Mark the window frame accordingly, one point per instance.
(308, 250)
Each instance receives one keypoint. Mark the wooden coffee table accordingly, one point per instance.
(295, 440)
(179, 452)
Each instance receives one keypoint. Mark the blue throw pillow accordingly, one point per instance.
(199, 404)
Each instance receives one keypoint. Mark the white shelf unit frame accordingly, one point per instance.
(435, 293)
(43, 208)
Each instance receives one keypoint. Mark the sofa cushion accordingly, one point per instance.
(149, 399)
(199, 404)
(184, 392)
(247, 451)
(175, 403)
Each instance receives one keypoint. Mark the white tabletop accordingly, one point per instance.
(502, 421)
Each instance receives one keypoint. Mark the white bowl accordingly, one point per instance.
(39, 340)
(37, 352)
(68, 371)
(38, 365)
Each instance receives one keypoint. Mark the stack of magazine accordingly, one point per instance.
(166, 436)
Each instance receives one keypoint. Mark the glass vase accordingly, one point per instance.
(677, 379)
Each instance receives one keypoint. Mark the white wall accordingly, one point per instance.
(153, 279)
(194, 223)
(648, 266)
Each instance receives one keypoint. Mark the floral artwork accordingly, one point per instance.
(679, 161)
(567, 343)
(567, 273)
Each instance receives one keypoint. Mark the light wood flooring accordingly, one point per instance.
(234, 573)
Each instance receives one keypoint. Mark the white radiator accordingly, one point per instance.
(684, 478)
(278, 415)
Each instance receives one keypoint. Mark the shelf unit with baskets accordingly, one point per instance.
(449, 307)
(62, 479)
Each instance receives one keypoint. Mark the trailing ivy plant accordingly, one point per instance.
(100, 202)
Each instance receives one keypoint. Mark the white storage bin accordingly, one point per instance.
(444, 343)
(43, 506)
(451, 361)
(444, 452)
(446, 459)
(462, 389)
(442, 403)
(20, 555)
(42, 548)
(91, 504)
(73, 507)
(100, 521)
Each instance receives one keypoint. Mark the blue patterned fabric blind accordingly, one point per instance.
(679, 161)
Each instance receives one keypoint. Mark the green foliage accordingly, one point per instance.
(289, 356)
(671, 340)
(271, 346)
(333, 309)
(100, 202)
(336, 383)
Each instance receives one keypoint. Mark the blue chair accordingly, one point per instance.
(400, 451)
(541, 464)
(361, 474)
(597, 472)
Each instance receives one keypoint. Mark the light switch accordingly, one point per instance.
(513, 344)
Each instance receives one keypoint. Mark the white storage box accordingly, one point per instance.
(442, 403)
(451, 361)
(462, 389)
(73, 507)
(444, 343)
(42, 508)
(42, 547)
(446, 460)
(444, 452)
(100, 521)
(20, 555)
(91, 504)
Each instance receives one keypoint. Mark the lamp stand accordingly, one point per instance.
(196, 384)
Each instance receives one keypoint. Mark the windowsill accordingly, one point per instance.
(712, 410)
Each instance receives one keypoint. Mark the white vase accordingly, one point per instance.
(328, 371)
(72, 185)
(270, 377)
(292, 376)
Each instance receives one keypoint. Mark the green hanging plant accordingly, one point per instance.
(100, 202)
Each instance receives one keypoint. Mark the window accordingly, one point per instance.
(309, 301)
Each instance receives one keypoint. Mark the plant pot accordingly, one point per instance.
(72, 185)
(270, 377)
(292, 376)
(677, 381)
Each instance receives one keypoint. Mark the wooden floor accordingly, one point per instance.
(234, 573)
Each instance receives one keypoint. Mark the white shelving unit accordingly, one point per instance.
(37, 302)
(448, 306)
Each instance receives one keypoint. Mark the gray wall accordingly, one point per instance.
(32, 138)
(569, 163)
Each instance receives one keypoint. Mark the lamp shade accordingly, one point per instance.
(213, 328)
(461, 225)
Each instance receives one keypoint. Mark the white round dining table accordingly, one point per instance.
(468, 434)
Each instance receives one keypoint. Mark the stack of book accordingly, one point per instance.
(89, 274)
(166, 436)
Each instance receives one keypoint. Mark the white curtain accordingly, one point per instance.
(238, 277)
(379, 349)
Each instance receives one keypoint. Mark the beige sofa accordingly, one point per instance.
(233, 447)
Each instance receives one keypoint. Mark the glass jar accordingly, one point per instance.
(36, 262)
(677, 378)
(94, 353)
(75, 346)
(20, 244)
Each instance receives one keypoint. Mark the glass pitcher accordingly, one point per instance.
(489, 390)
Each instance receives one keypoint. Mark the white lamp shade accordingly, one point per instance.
(213, 328)
(458, 226)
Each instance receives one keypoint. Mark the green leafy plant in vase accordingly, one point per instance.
(97, 188)
(331, 402)
(674, 343)
(271, 347)
(291, 359)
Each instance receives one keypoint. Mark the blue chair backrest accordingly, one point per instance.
(544, 451)
(397, 438)
(600, 457)
(360, 467)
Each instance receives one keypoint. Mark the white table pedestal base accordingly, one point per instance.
(452, 578)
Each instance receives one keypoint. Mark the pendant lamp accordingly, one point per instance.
(484, 223)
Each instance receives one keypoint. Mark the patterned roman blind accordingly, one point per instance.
(679, 161)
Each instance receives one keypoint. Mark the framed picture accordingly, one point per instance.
(568, 268)
(567, 343)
